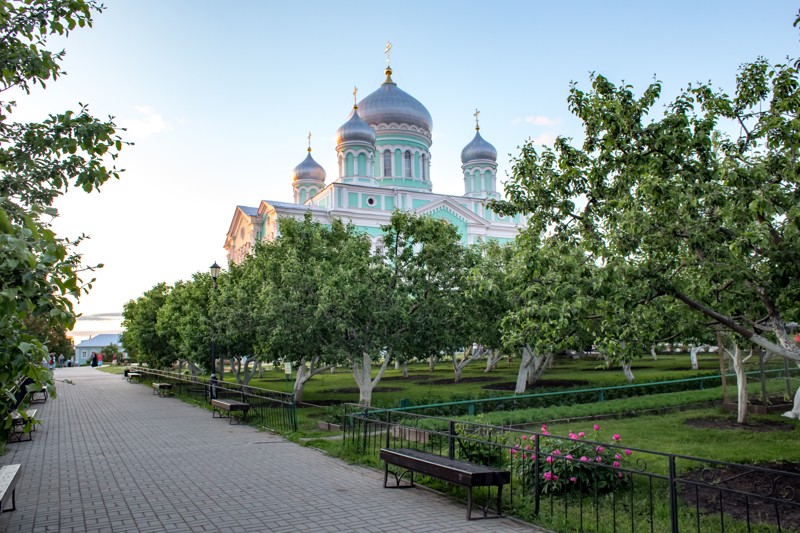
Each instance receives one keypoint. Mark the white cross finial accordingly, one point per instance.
(355, 96)
(309, 141)
(388, 52)
(476, 113)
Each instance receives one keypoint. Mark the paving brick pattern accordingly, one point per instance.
(112, 457)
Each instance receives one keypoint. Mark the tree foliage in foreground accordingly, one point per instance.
(39, 271)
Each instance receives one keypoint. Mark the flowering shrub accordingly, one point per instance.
(571, 465)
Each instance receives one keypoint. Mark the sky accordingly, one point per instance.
(218, 99)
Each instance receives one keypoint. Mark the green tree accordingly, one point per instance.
(677, 204)
(293, 274)
(140, 336)
(39, 271)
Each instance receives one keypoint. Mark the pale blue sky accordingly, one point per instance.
(219, 97)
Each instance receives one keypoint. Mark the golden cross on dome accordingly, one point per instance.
(355, 96)
(309, 141)
(388, 52)
(476, 113)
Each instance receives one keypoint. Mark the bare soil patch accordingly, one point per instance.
(411, 377)
(771, 496)
(471, 379)
(756, 426)
(542, 383)
(354, 390)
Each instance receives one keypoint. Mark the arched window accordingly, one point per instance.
(407, 164)
(362, 164)
(348, 167)
(387, 163)
(424, 167)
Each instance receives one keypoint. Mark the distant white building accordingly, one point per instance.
(83, 351)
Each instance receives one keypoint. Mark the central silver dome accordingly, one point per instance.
(390, 104)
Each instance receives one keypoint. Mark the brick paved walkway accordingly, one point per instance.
(110, 456)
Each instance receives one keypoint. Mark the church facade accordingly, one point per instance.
(383, 165)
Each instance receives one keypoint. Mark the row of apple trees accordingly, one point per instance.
(676, 219)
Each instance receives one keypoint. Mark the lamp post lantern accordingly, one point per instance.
(214, 270)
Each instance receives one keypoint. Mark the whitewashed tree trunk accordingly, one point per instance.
(241, 371)
(795, 412)
(397, 365)
(404, 368)
(492, 358)
(305, 371)
(693, 356)
(626, 369)
(260, 366)
(432, 362)
(470, 354)
(525, 369)
(653, 352)
(531, 368)
(362, 372)
(738, 361)
(194, 370)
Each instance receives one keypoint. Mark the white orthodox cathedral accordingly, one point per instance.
(384, 164)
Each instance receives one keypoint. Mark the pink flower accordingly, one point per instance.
(600, 449)
(524, 456)
(596, 427)
(616, 437)
(568, 456)
(556, 452)
(527, 447)
(598, 459)
(581, 434)
(555, 477)
(544, 428)
(513, 451)
(617, 456)
(573, 479)
(628, 452)
(616, 464)
(619, 475)
(548, 476)
(549, 459)
(584, 459)
(573, 436)
(524, 437)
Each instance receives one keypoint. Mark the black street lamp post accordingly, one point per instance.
(214, 269)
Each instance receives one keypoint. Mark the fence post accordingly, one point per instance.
(451, 447)
(388, 432)
(673, 494)
(537, 484)
(366, 429)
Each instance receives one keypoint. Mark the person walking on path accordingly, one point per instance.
(61, 360)
(94, 359)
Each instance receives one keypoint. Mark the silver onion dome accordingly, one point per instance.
(355, 130)
(390, 104)
(309, 170)
(477, 149)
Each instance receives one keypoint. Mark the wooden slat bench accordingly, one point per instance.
(162, 389)
(9, 476)
(134, 375)
(453, 471)
(229, 406)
